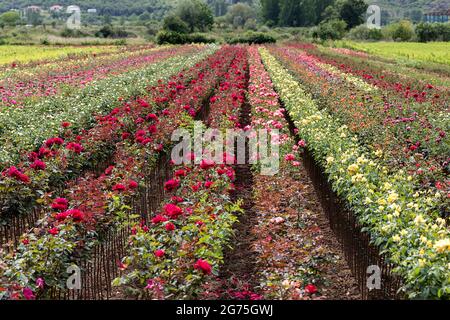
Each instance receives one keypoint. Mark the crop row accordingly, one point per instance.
(23, 130)
(401, 221)
(92, 205)
(25, 86)
(404, 129)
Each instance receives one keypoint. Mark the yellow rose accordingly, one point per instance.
(353, 169)
(442, 245)
(419, 220)
(392, 197)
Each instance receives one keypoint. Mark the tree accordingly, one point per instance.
(426, 32)
(321, 5)
(402, 31)
(10, 18)
(295, 13)
(332, 29)
(352, 12)
(174, 23)
(239, 13)
(270, 11)
(219, 7)
(197, 14)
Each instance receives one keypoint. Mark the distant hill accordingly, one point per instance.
(391, 9)
(104, 7)
(411, 9)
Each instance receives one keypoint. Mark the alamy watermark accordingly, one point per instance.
(74, 280)
(373, 17)
(236, 146)
(74, 21)
(374, 277)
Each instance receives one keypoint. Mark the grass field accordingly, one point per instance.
(23, 54)
(436, 52)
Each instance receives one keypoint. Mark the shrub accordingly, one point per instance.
(332, 29)
(200, 38)
(175, 24)
(363, 33)
(45, 42)
(402, 31)
(107, 31)
(70, 33)
(253, 38)
(170, 37)
(426, 32)
(433, 32)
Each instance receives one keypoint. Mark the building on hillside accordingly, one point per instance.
(56, 8)
(92, 10)
(33, 9)
(438, 16)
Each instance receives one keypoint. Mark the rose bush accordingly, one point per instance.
(403, 222)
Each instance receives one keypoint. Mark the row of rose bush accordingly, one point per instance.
(275, 280)
(67, 154)
(23, 130)
(403, 222)
(93, 205)
(26, 85)
(173, 255)
(88, 55)
(398, 125)
(225, 105)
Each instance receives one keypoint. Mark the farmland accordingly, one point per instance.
(436, 52)
(357, 173)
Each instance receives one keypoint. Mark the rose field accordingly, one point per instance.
(94, 204)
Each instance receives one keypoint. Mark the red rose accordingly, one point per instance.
(203, 265)
(170, 226)
(152, 129)
(158, 219)
(53, 231)
(132, 184)
(143, 103)
(119, 187)
(75, 147)
(65, 124)
(62, 216)
(176, 199)
(199, 223)
(52, 141)
(171, 185)
(289, 157)
(196, 187)
(60, 204)
(38, 165)
(302, 143)
(206, 164)
(24, 178)
(172, 211)
(151, 116)
(159, 253)
(180, 173)
(311, 289)
(208, 184)
(76, 215)
(109, 170)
